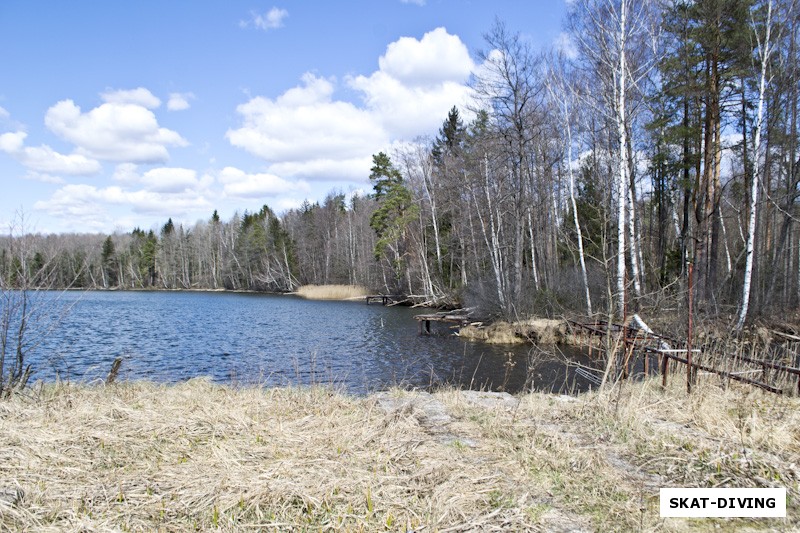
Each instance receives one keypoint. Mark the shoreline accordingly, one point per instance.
(196, 455)
(153, 289)
(210, 290)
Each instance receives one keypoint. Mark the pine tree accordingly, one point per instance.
(109, 263)
(396, 210)
(383, 175)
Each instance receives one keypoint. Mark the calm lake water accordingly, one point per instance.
(279, 340)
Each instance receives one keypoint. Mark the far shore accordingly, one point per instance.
(309, 292)
(162, 289)
(200, 456)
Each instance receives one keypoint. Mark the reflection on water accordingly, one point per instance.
(280, 340)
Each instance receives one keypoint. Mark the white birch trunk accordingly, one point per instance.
(575, 215)
(751, 227)
(430, 192)
(622, 184)
(725, 240)
(676, 223)
(533, 252)
(491, 238)
(633, 247)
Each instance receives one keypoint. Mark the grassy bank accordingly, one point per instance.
(332, 292)
(138, 456)
(533, 330)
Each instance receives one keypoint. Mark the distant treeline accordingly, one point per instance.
(666, 135)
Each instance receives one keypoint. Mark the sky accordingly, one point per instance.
(116, 115)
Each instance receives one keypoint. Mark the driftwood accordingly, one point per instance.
(786, 335)
(114, 372)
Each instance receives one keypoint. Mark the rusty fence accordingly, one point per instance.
(666, 355)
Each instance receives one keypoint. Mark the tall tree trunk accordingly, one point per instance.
(635, 249)
(765, 52)
(575, 213)
(533, 252)
(622, 136)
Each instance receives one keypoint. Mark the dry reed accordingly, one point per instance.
(332, 292)
(139, 456)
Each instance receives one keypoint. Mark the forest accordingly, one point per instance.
(583, 179)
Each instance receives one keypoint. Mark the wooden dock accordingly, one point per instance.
(384, 299)
(424, 321)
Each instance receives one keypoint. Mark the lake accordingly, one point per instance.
(273, 340)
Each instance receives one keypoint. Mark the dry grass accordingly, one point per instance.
(332, 292)
(535, 330)
(138, 456)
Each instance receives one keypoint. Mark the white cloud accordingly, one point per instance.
(43, 177)
(166, 180)
(406, 111)
(564, 44)
(179, 101)
(43, 159)
(4, 113)
(305, 128)
(113, 131)
(354, 169)
(418, 82)
(87, 202)
(239, 184)
(270, 20)
(358, 191)
(281, 205)
(126, 173)
(139, 96)
(415, 2)
(437, 58)
(170, 180)
(12, 142)
(307, 133)
(157, 193)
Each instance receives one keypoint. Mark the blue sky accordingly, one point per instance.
(115, 115)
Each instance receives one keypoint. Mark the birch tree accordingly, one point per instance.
(606, 33)
(560, 92)
(764, 51)
(509, 87)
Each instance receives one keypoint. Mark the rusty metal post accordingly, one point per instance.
(797, 363)
(689, 368)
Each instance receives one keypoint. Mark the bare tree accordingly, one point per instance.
(29, 313)
(610, 36)
(510, 88)
(561, 93)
